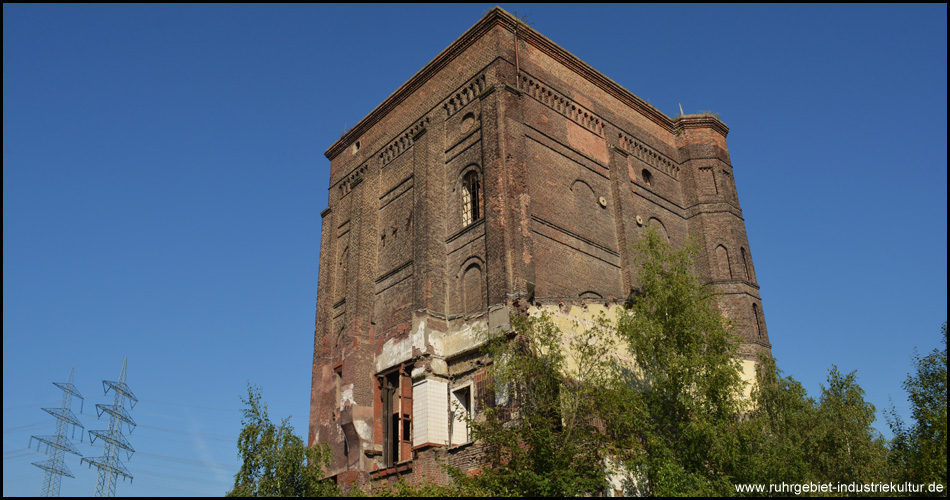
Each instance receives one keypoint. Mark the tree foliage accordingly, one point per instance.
(461, 487)
(574, 413)
(687, 379)
(654, 400)
(275, 461)
(789, 437)
(552, 403)
(776, 435)
(919, 451)
(847, 449)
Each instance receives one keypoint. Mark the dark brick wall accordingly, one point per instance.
(572, 170)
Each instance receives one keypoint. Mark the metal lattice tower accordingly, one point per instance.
(109, 465)
(58, 444)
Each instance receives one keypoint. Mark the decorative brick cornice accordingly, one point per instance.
(572, 62)
(403, 142)
(570, 109)
(713, 122)
(356, 176)
(498, 17)
(648, 155)
(471, 90)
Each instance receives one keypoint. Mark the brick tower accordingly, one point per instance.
(506, 174)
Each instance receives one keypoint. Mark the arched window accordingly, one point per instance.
(471, 198)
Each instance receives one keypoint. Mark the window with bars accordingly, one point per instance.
(471, 198)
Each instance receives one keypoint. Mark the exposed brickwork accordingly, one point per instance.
(570, 169)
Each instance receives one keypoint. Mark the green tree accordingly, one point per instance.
(687, 379)
(402, 488)
(660, 393)
(570, 406)
(777, 434)
(847, 448)
(276, 462)
(919, 452)
(788, 437)
(545, 437)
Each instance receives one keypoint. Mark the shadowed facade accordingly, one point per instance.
(506, 175)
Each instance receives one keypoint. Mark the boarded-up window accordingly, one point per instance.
(473, 289)
(585, 201)
(722, 259)
(660, 228)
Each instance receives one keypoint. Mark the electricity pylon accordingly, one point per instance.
(58, 444)
(109, 465)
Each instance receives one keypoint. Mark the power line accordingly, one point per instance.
(208, 481)
(10, 480)
(34, 405)
(191, 406)
(181, 417)
(165, 483)
(22, 427)
(219, 437)
(22, 454)
(189, 461)
(218, 446)
(162, 464)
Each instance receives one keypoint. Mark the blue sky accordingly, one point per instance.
(163, 176)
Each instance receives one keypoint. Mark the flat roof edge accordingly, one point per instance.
(498, 17)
